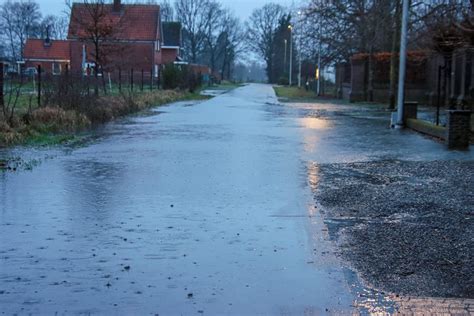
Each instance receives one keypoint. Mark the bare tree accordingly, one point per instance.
(167, 11)
(91, 22)
(213, 16)
(193, 16)
(230, 42)
(20, 20)
(55, 27)
(261, 28)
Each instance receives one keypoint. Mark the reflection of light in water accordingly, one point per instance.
(314, 123)
(311, 138)
(313, 175)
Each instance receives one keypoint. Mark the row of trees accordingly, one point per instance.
(336, 30)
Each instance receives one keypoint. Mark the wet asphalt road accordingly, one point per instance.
(195, 209)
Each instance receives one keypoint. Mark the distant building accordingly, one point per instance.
(134, 38)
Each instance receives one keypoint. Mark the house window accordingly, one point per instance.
(157, 46)
(56, 68)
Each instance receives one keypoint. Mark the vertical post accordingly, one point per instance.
(438, 105)
(141, 84)
(120, 79)
(284, 62)
(39, 85)
(318, 86)
(291, 54)
(300, 33)
(131, 79)
(403, 64)
(1, 85)
(67, 78)
(151, 79)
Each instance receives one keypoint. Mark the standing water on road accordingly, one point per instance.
(200, 208)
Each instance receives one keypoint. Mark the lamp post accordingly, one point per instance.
(402, 70)
(290, 27)
(299, 48)
(284, 62)
(319, 62)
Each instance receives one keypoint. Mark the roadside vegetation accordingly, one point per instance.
(292, 93)
(69, 106)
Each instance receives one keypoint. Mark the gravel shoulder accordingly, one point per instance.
(406, 227)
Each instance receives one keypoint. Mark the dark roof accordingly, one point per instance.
(132, 22)
(171, 33)
(57, 49)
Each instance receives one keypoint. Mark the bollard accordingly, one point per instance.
(458, 129)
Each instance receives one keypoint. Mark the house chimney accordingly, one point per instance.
(47, 40)
(117, 5)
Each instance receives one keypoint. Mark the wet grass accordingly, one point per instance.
(48, 126)
(294, 93)
(49, 139)
(226, 85)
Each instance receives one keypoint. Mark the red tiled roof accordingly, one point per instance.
(133, 22)
(58, 50)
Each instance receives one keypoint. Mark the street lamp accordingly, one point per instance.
(284, 62)
(299, 48)
(402, 67)
(290, 27)
(318, 86)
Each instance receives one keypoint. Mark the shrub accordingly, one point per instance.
(171, 77)
(180, 76)
(283, 81)
(54, 119)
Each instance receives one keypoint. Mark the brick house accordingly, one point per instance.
(134, 37)
(53, 56)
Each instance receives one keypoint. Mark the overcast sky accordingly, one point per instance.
(242, 8)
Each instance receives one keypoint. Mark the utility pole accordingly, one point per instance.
(403, 64)
(300, 33)
(291, 53)
(319, 61)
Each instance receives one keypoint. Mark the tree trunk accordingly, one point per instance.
(370, 89)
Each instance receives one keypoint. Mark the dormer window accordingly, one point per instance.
(157, 45)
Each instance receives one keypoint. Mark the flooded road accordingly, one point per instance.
(196, 209)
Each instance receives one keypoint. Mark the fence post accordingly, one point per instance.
(1, 85)
(120, 79)
(39, 85)
(131, 79)
(67, 78)
(158, 81)
(151, 79)
(141, 86)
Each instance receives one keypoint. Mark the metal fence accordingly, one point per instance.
(38, 88)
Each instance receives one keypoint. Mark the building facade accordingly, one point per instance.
(114, 36)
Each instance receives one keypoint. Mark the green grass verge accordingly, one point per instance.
(428, 128)
(47, 139)
(294, 93)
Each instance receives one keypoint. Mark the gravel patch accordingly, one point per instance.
(406, 227)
